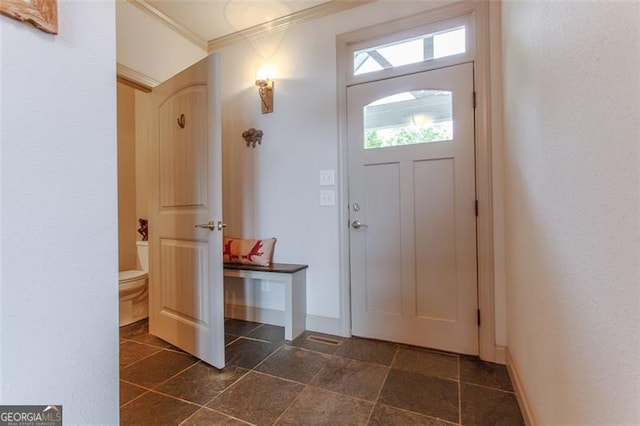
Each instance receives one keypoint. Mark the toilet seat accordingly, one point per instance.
(127, 276)
(131, 284)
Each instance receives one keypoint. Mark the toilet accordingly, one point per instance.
(133, 286)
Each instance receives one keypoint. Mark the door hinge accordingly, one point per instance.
(476, 208)
(478, 317)
(474, 99)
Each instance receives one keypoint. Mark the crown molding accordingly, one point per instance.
(170, 23)
(133, 84)
(136, 77)
(319, 11)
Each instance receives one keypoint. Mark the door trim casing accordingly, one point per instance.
(480, 55)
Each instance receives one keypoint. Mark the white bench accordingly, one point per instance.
(294, 278)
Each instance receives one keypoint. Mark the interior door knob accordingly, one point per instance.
(357, 225)
(211, 225)
(221, 225)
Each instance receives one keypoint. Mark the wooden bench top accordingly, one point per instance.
(286, 268)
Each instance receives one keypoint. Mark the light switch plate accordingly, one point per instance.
(327, 198)
(327, 177)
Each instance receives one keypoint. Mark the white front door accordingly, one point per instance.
(412, 209)
(186, 283)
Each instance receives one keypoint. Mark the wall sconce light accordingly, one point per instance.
(252, 136)
(265, 90)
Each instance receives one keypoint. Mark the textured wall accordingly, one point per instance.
(571, 102)
(59, 314)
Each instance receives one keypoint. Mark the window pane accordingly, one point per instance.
(369, 65)
(410, 51)
(449, 43)
(406, 53)
(408, 118)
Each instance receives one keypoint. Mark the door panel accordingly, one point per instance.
(433, 222)
(412, 175)
(184, 278)
(183, 151)
(383, 248)
(185, 283)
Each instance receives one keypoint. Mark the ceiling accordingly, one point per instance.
(156, 39)
(212, 19)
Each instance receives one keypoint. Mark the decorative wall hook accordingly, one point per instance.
(252, 136)
(181, 121)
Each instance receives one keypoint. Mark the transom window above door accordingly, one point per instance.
(408, 118)
(426, 47)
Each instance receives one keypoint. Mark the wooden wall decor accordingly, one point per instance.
(41, 13)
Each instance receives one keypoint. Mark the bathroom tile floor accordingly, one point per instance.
(315, 380)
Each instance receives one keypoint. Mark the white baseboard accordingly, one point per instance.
(500, 355)
(275, 317)
(251, 313)
(324, 325)
(521, 396)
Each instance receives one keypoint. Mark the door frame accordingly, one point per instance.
(477, 15)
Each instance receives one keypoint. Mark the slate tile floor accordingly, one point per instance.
(307, 382)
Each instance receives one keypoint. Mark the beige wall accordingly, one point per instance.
(142, 135)
(127, 219)
(571, 103)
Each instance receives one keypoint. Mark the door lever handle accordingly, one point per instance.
(357, 225)
(211, 225)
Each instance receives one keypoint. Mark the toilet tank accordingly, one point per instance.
(143, 255)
